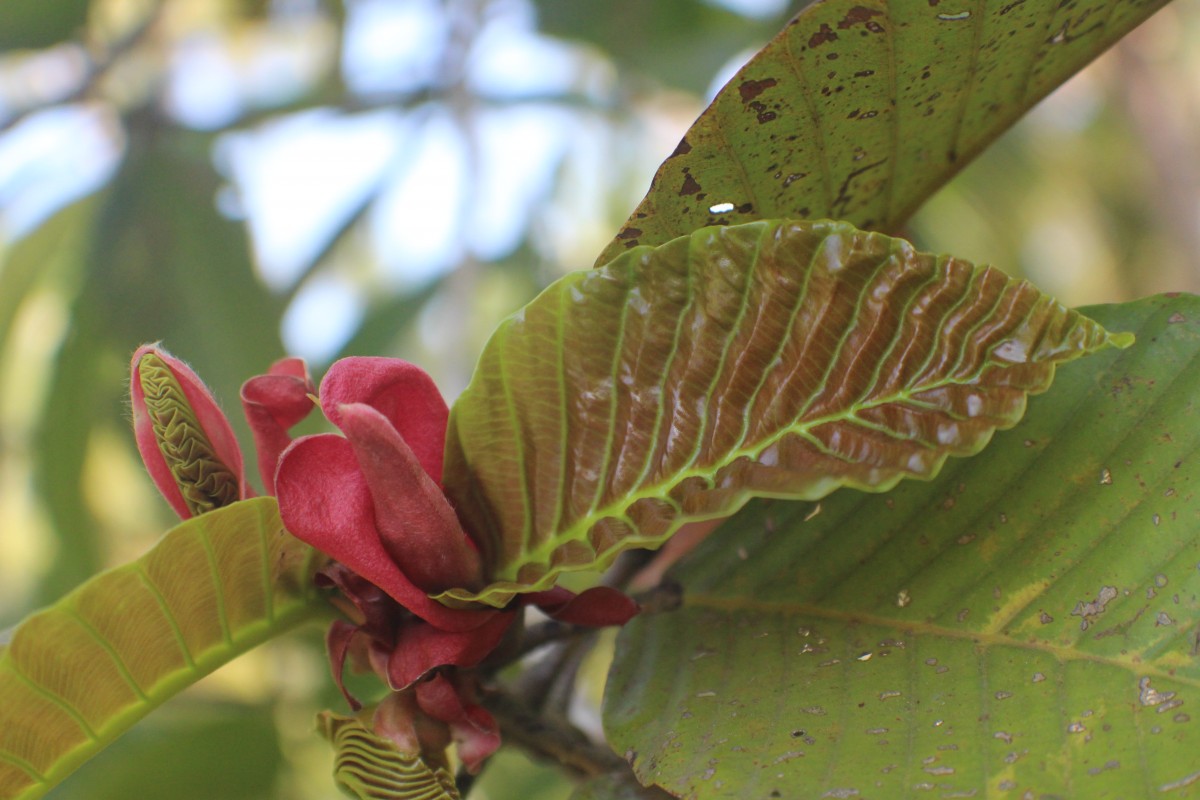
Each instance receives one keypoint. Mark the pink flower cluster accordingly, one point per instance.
(371, 499)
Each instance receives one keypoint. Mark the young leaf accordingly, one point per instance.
(76, 675)
(1025, 625)
(861, 109)
(783, 359)
(369, 767)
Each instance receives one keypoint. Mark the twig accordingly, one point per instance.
(552, 739)
(542, 634)
(626, 567)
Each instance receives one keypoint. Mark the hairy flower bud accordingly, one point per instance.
(184, 439)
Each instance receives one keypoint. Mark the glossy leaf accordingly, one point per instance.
(78, 674)
(861, 109)
(782, 359)
(1023, 626)
(369, 767)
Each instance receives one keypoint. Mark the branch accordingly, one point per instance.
(552, 739)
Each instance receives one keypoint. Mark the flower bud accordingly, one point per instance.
(184, 439)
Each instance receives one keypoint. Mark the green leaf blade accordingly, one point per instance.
(782, 359)
(78, 674)
(861, 109)
(1023, 623)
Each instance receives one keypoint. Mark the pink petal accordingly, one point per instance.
(477, 736)
(324, 501)
(402, 392)
(338, 639)
(597, 607)
(421, 648)
(417, 526)
(378, 615)
(212, 421)
(474, 730)
(273, 403)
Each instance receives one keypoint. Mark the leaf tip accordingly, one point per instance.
(1121, 340)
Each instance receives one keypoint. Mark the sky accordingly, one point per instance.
(450, 182)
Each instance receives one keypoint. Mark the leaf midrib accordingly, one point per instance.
(711, 602)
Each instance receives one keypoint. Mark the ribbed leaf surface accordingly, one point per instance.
(782, 359)
(369, 767)
(78, 674)
(860, 109)
(1023, 626)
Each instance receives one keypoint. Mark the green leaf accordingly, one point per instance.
(78, 674)
(783, 359)
(369, 767)
(620, 786)
(47, 262)
(1025, 625)
(195, 748)
(861, 109)
(35, 24)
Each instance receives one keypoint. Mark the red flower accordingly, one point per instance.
(371, 499)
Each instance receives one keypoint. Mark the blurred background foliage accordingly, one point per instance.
(245, 178)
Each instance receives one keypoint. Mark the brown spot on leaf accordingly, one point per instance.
(752, 89)
(822, 36)
(682, 149)
(858, 15)
(630, 233)
(690, 185)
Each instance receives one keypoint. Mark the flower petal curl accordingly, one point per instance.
(416, 524)
(403, 392)
(421, 649)
(325, 501)
(597, 607)
(273, 403)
